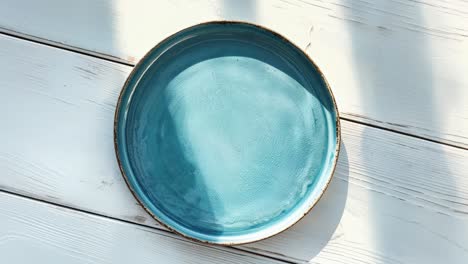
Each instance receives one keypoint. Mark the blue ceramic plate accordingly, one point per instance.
(227, 133)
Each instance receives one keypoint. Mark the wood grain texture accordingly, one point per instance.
(397, 64)
(393, 199)
(36, 232)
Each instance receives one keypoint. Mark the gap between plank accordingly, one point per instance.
(403, 133)
(97, 55)
(163, 232)
(58, 45)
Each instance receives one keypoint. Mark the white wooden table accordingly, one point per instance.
(399, 71)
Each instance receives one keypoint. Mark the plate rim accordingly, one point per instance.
(117, 116)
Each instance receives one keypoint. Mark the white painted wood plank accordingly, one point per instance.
(393, 198)
(37, 232)
(398, 64)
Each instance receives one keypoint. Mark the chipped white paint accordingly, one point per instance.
(398, 64)
(394, 199)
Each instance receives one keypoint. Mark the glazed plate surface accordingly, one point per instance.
(227, 133)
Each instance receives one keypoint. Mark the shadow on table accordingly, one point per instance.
(239, 10)
(396, 61)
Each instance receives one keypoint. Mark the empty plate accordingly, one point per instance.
(227, 133)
